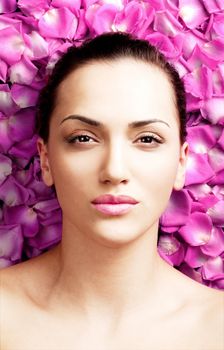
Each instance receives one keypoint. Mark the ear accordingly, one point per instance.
(181, 170)
(44, 162)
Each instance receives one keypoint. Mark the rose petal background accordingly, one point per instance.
(190, 33)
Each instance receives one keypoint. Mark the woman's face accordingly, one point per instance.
(111, 152)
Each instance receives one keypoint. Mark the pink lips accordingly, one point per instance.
(112, 205)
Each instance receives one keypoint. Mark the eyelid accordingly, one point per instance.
(153, 135)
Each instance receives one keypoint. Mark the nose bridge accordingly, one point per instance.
(114, 167)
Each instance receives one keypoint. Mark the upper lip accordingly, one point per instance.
(110, 199)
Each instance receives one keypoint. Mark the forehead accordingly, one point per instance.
(126, 88)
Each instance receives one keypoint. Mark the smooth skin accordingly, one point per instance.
(105, 285)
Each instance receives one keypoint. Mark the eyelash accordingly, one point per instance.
(153, 138)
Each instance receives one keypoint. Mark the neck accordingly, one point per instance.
(106, 277)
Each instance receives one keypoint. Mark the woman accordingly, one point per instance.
(111, 122)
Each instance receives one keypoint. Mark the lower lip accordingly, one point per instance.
(114, 209)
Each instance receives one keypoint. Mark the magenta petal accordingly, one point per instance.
(216, 213)
(24, 216)
(58, 23)
(201, 138)
(166, 23)
(11, 242)
(195, 257)
(101, 18)
(7, 105)
(217, 179)
(21, 125)
(212, 109)
(24, 149)
(46, 237)
(170, 47)
(46, 206)
(199, 191)
(23, 71)
(213, 268)
(8, 6)
(192, 12)
(5, 167)
(190, 272)
(12, 193)
(24, 96)
(73, 6)
(37, 47)
(218, 24)
(11, 45)
(34, 8)
(178, 209)
(214, 246)
(216, 159)
(199, 82)
(6, 142)
(4, 262)
(221, 140)
(3, 71)
(214, 6)
(198, 58)
(171, 249)
(198, 169)
(197, 230)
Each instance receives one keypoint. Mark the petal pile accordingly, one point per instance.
(190, 33)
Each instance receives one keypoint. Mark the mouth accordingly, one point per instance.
(114, 205)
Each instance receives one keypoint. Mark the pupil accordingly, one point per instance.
(147, 139)
(83, 138)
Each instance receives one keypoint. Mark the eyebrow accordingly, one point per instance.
(92, 122)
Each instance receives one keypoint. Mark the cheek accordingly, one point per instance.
(156, 175)
(73, 177)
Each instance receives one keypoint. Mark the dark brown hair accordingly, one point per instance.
(106, 47)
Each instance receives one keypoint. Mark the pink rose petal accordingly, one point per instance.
(213, 6)
(34, 8)
(21, 125)
(12, 193)
(24, 216)
(195, 257)
(171, 249)
(73, 6)
(101, 18)
(7, 6)
(216, 159)
(36, 47)
(46, 237)
(58, 23)
(197, 230)
(11, 242)
(3, 71)
(217, 213)
(11, 45)
(214, 246)
(178, 209)
(201, 138)
(192, 12)
(7, 105)
(166, 23)
(24, 96)
(198, 169)
(5, 167)
(23, 72)
(213, 268)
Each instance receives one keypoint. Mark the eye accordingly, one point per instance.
(78, 139)
(150, 139)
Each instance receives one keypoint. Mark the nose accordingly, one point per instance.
(114, 166)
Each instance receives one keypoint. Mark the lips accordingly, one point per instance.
(114, 205)
(110, 199)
